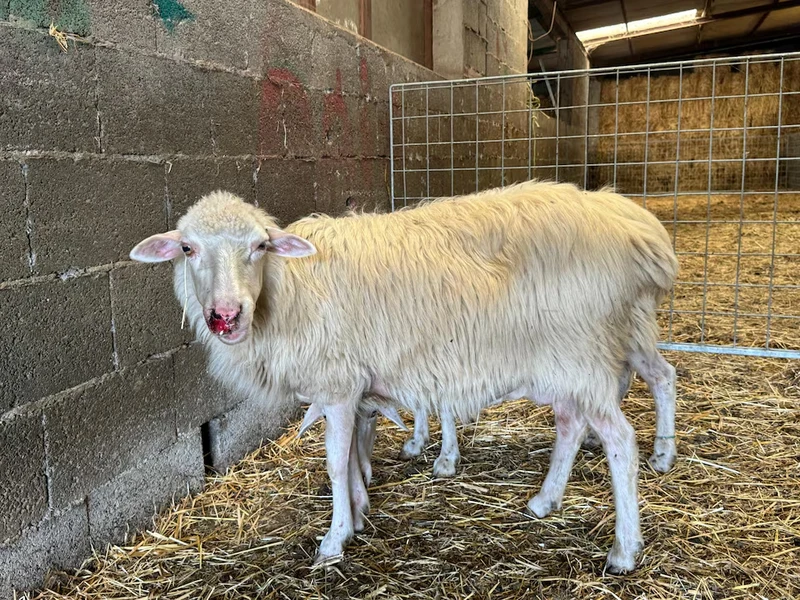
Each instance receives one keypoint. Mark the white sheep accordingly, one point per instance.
(536, 290)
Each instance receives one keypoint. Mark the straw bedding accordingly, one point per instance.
(724, 523)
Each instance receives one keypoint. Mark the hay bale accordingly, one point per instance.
(727, 142)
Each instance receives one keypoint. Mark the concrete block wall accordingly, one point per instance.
(106, 413)
(476, 38)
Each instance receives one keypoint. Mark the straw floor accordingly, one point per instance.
(724, 523)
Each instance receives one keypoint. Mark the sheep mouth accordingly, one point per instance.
(227, 330)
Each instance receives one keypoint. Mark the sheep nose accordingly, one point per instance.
(227, 313)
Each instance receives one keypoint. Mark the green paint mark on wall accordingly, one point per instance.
(34, 11)
(172, 13)
(71, 16)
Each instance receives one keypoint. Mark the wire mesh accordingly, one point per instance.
(711, 147)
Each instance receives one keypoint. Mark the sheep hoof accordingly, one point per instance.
(445, 466)
(541, 506)
(661, 462)
(412, 448)
(324, 560)
(620, 562)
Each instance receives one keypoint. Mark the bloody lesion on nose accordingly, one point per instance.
(223, 320)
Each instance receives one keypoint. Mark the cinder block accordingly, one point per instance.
(335, 62)
(129, 502)
(59, 542)
(89, 212)
(475, 16)
(13, 239)
(59, 335)
(131, 417)
(287, 39)
(338, 116)
(125, 23)
(363, 181)
(48, 96)
(147, 315)
(231, 36)
(198, 398)
(247, 426)
(23, 487)
(372, 128)
(289, 116)
(189, 179)
(319, 55)
(475, 52)
(72, 17)
(285, 188)
(153, 105)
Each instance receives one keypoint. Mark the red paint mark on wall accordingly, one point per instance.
(285, 114)
(335, 120)
(363, 75)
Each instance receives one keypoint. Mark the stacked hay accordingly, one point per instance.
(678, 105)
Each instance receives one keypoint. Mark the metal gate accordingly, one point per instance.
(711, 147)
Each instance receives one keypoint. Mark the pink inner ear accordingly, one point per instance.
(289, 245)
(158, 248)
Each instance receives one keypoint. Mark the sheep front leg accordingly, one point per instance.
(415, 444)
(339, 432)
(622, 454)
(445, 465)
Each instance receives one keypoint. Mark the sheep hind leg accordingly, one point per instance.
(591, 441)
(660, 378)
(416, 443)
(366, 432)
(359, 498)
(570, 429)
(449, 457)
(619, 444)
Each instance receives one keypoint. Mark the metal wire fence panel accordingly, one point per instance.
(711, 147)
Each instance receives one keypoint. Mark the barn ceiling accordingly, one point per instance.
(722, 26)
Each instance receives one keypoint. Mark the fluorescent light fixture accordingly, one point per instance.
(600, 35)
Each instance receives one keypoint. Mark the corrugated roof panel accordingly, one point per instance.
(787, 19)
(600, 14)
(729, 28)
(723, 6)
(642, 9)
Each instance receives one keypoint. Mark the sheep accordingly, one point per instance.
(528, 291)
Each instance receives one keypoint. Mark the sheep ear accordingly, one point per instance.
(158, 248)
(288, 244)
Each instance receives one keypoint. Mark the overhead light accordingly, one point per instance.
(601, 35)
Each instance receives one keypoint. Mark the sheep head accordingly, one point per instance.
(223, 242)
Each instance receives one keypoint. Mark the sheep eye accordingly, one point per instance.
(187, 250)
(262, 247)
